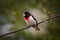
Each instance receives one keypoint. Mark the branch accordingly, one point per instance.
(28, 26)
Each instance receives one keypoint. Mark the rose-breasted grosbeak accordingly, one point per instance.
(30, 20)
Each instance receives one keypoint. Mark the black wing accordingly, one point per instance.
(35, 19)
(36, 27)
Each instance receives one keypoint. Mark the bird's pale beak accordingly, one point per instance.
(23, 14)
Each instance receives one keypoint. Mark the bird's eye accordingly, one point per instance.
(23, 14)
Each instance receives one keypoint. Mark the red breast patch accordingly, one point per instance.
(27, 18)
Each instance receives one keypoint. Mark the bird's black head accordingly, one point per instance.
(26, 14)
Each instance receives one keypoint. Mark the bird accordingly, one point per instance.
(30, 20)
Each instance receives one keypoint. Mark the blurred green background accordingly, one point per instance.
(11, 18)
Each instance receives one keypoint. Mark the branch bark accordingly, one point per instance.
(28, 26)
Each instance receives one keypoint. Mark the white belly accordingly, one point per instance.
(31, 21)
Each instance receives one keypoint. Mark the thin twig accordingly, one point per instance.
(14, 31)
(28, 26)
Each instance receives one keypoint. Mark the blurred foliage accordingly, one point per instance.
(13, 9)
(52, 5)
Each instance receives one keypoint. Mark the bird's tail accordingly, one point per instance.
(37, 28)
